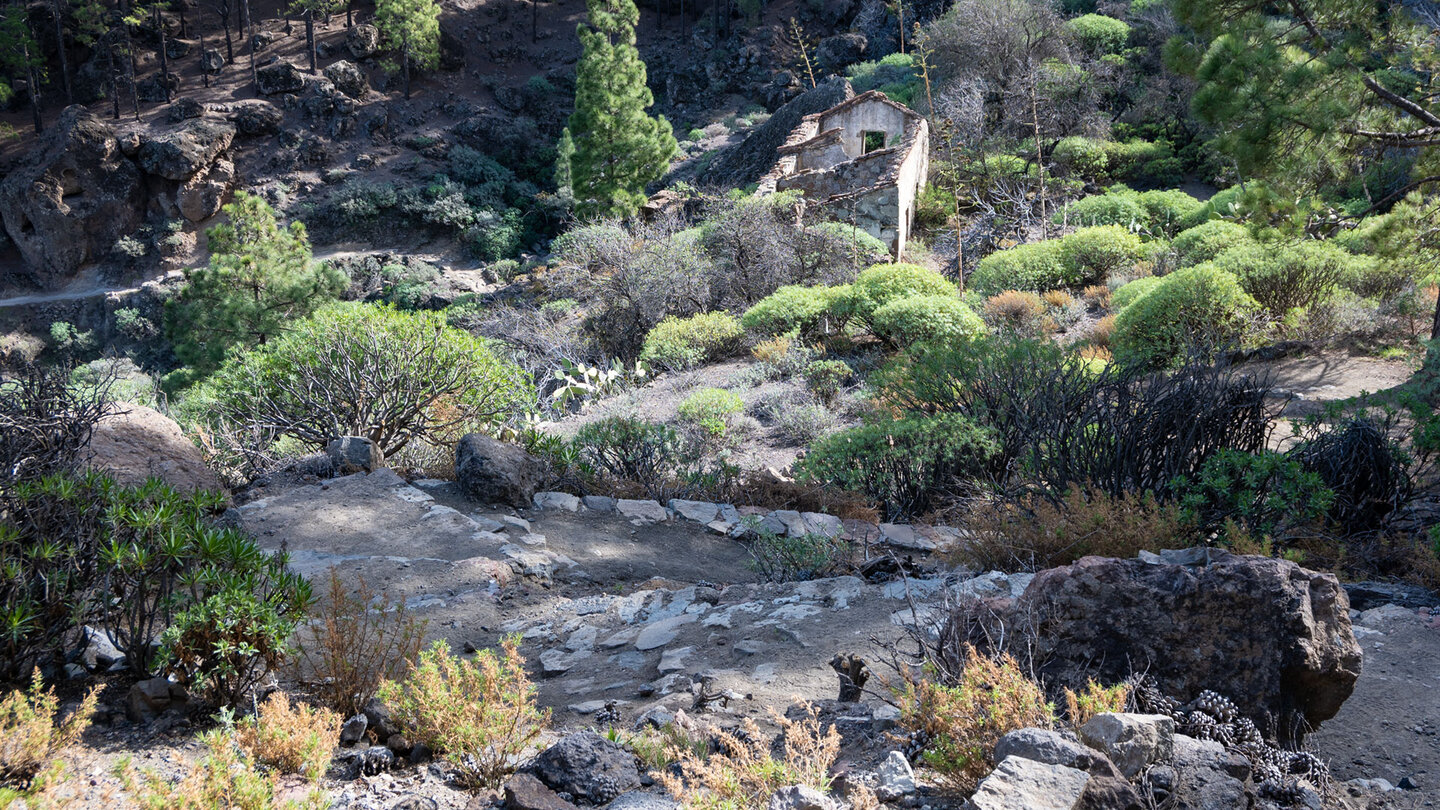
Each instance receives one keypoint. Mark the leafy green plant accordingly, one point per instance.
(223, 646)
(579, 382)
(1129, 292)
(883, 283)
(799, 310)
(1265, 492)
(630, 449)
(825, 378)
(943, 318)
(902, 464)
(1195, 309)
(680, 343)
(1207, 240)
(786, 558)
(480, 715)
(711, 409)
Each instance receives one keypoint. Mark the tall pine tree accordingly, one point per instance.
(619, 147)
(411, 27)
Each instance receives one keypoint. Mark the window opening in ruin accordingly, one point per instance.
(872, 141)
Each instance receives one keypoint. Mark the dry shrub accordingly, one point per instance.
(1018, 311)
(1096, 699)
(356, 641)
(1033, 533)
(1102, 332)
(962, 723)
(479, 714)
(1096, 295)
(772, 350)
(30, 736)
(1057, 299)
(1094, 354)
(764, 489)
(291, 738)
(225, 779)
(743, 774)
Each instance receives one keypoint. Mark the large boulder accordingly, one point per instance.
(363, 41)
(1273, 636)
(836, 53)
(492, 471)
(280, 77)
(201, 197)
(185, 151)
(256, 116)
(67, 202)
(588, 766)
(348, 78)
(137, 443)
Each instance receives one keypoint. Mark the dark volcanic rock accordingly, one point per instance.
(589, 766)
(1273, 636)
(67, 202)
(256, 117)
(182, 153)
(492, 471)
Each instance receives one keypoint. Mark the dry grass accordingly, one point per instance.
(773, 350)
(743, 774)
(1096, 295)
(1096, 699)
(1057, 299)
(962, 723)
(1035, 533)
(356, 641)
(1020, 312)
(480, 715)
(1102, 332)
(225, 779)
(30, 736)
(291, 738)
(763, 489)
(658, 748)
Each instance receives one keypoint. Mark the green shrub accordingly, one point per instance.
(1198, 308)
(1167, 208)
(627, 449)
(1131, 291)
(926, 317)
(365, 370)
(1084, 257)
(801, 310)
(1265, 492)
(1283, 277)
(711, 409)
(1150, 213)
(1227, 203)
(851, 239)
(681, 343)
(783, 558)
(224, 645)
(1207, 240)
(1099, 34)
(903, 464)
(883, 283)
(1090, 255)
(824, 379)
(479, 715)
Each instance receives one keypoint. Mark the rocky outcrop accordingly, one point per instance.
(835, 53)
(348, 79)
(1273, 635)
(281, 77)
(256, 116)
(184, 152)
(68, 202)
(139, 443)
(589, 767)
(492, 471)
(363, 41)
(748, 161)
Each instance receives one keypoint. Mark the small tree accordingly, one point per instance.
(564, 167)
(619, 148)
(20, 58)
(411, 27)
(261, 278)
(308, 9)
(364, 370)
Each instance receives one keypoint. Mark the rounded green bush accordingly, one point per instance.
(1035, 267)
(1090, 255)
(793, 309)
(1167, 208)
(1132, 290)
(681, 343)
(1194, 309)
(1082, 156)
(1121, 208)
(942, 318)
(1285, 276)
(1207, 240)
(883, 283)
(711, 409)
(1099, 34)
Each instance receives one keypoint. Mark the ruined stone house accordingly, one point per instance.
(864, 161)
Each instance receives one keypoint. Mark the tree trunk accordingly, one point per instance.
(534, 21)
(900, 12)
(405, 57)
(204, 74)
(164, 57)
(1435, 324)
(34, 88)
(245, 19)
(350, 14)
(1039, 157)
(254, 71)
(226, 15)
(132, 75)
(60, 50)
(114, 77)
(184, 27)
(310, 37)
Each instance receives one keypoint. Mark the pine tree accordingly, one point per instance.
(619, 147)
(260, 279)
(20, 58)
(564, 172)
(308, 9)
(411, 27)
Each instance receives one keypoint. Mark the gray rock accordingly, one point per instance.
(698, 511)
(1195, 555)
(363, 41)
(184, 109)
(1379, 617)
(398, 743)
(656, 717)
(640, 800)
(182, 153)
(822, 524)
(1024, 783)
(599, 503)
(354, 730)
(525, 792)
(375, 760)
(588, 766)
(150, 698)
(1197, 779)
(1131, 741)
(99, 653)
(491, 471)
(658, 634)
(280, 77)
(648, 511)
(799, 797)
(895, 777)
(353, 454)
(212, 60)
(835, 53)
(348, 79)
(562, 501)
(71, 197)
(1053, 748)
(904, 536)
(256, 116)
(674, 660)
(792, 521)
